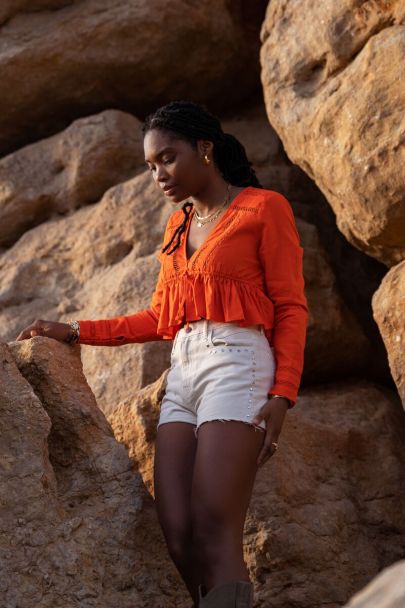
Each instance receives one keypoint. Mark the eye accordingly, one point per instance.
(165, 162)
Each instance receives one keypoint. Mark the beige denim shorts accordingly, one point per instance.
(219, 371)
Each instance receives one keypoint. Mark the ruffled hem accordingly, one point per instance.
(217, 298)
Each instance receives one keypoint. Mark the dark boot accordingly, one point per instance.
(237, 594)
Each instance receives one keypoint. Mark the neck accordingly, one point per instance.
(211, 197)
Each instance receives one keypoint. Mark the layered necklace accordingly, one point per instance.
(205, 219)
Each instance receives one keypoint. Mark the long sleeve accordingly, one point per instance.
(281, 256)
(139, 327)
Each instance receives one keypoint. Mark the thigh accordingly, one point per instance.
(224, 473)
(175, 450)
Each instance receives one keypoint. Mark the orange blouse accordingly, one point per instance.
(248, 271)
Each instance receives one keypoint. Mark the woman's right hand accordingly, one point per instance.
(50, 329)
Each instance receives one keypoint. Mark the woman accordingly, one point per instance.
(230, 293)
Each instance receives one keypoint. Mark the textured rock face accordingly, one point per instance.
(389, 312)
(95, 54)
(67, 171)
(80, 225)
(330, 321)
(333, 89)
(73, 510)
(96, 263)
(321, 522)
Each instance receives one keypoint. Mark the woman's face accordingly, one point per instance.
(175, 165)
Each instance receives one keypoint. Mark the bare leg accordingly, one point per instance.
(224, 473)
(173, 470)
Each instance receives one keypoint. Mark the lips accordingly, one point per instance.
(169, 190)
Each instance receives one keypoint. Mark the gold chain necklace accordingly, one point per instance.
(202, 220)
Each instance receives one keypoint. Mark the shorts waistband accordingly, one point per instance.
(205, 323)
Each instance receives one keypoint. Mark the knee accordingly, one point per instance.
(208, 534)
(179, 546)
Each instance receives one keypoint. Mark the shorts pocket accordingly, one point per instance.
(242, 337)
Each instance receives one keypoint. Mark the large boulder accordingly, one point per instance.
(98, 262)
(78, 527)
(81, 527)
(389, 312)
(331, 76)
(326, 514)
(69, 170)
(62, 60)
(326, 511)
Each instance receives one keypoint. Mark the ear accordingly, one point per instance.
(205, 146)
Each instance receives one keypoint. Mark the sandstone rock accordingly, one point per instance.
(330, 321)
(78, 528)
(72, 169)
(326, 513)
(334, 94)
(79, 57)
(389, 312)
(96, 263)
(135, 425)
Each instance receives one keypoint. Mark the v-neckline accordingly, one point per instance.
(190, 219)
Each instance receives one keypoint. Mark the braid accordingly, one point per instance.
(191, 121)
(179, 229)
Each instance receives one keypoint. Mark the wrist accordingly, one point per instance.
(74, 333)
(282, 398)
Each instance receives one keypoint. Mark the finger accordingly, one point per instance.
(268, 449)
(265, 452)
(262, 414)
(32, 330)
(24, 334)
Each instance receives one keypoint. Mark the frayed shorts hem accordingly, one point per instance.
(261, 427)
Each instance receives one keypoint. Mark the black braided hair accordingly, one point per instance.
(191, 121)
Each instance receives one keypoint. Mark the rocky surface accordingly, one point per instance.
(77, 517)
(321, 523)
(389, 312)
(96, 263)
(331, 76)
(78, 527)
(72, 169)
(326, 513)
(81, 223)
(83, 56)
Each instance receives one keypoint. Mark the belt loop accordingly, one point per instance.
(207, 331)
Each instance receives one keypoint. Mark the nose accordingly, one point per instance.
(161, 175)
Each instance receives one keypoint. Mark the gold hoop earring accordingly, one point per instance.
(207, 160)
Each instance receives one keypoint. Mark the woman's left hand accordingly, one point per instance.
(273, 412)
